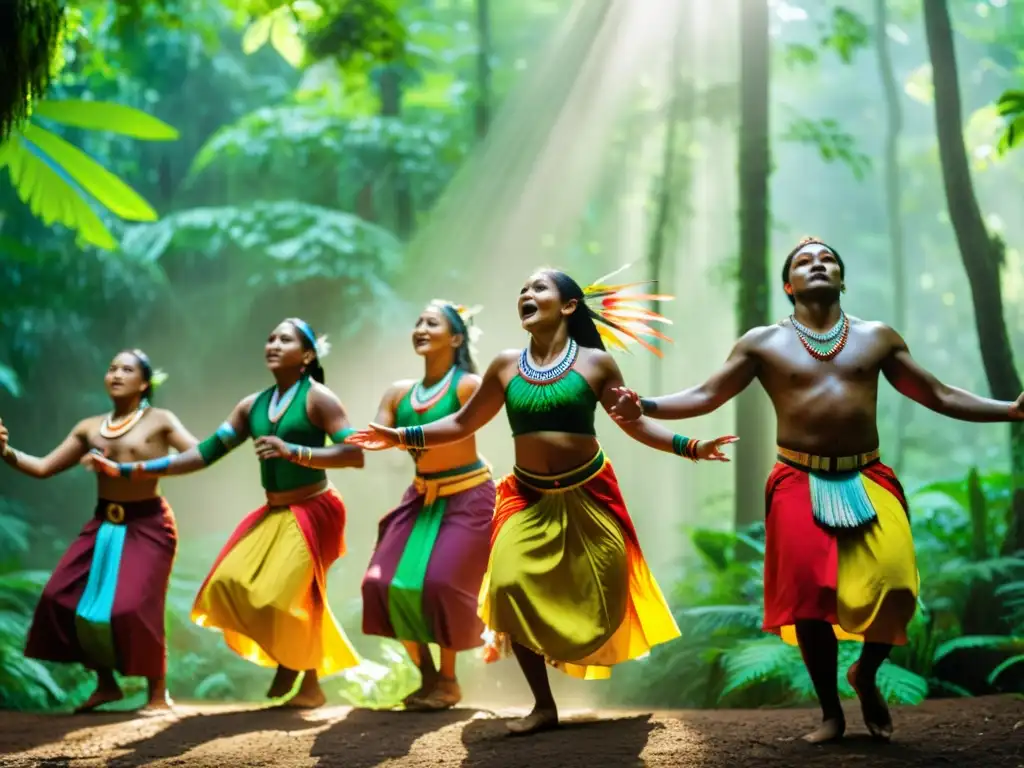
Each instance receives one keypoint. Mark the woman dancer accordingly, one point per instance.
(267, 590)
(424, 577)
(103, 606)
(566, 580)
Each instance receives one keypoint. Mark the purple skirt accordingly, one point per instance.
(423, 582)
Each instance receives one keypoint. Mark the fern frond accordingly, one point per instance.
(759, 660)
(901, 686)
(994, 642)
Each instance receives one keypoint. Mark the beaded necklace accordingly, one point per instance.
(551, 373)
(112, 430)
(279, 403)
(823, 346)
(424, 398)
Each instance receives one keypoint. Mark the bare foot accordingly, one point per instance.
(158, 705)
(535, 722)
(306, 700)
(284, 679)
(446, 694)
(831, 729)
(872, 704)
(102, 695)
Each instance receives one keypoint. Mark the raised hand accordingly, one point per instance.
(711, 450)
(271, 447)
(374, 438)
(628, 407)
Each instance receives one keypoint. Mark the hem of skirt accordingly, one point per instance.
(457, 647)
(121, 669)
(851, 635)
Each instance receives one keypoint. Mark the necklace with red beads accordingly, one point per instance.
(823, 346)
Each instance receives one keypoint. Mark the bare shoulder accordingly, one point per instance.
(321, 393)
(164, 417)
(469, 382)
(760, 337)
(399, 389)
(876, 331)
(599, 358)
(88, 426)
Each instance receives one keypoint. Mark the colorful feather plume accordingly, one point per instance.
(621, 317)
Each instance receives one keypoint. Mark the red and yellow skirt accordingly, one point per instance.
(838, 549)
(267, 590)
(566, 577)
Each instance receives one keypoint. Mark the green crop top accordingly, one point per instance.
(564, 405)
(447, 404)
(294, 426)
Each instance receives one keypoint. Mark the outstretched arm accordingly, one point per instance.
(911, 380)
(229, 435)
(326, 412)
(64, 456)
(739, 371)
(478, 410)
(649, 432)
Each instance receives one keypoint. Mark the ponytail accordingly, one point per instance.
(463, 354)
(308, 339)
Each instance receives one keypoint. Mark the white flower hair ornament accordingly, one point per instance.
(323, 347)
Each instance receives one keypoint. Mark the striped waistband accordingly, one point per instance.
(812, 463)
(564, 481)
(435, 485)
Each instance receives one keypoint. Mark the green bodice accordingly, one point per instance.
(294, 426)
(407, 416)
(565, 405)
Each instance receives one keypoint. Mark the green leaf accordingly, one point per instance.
(832, 142)
(284, 37)
(106, 116)
(108, 190)
(800, 55)
(256, 34)
(901, 686)
(49, 194)
(848, 34)
(757, 661)
(919, 85)
(995, 642)
(1010, 662)
(9, 381)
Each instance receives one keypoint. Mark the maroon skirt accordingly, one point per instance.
(103, 606)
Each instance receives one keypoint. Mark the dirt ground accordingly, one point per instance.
(987, 732)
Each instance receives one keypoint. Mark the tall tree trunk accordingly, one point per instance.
(483, 68)
(391, 106)
(674, 179)
(893, 206)
(752, 415)
(982, 255)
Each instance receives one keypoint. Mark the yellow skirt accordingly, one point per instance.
(566, 577)
(265, 597)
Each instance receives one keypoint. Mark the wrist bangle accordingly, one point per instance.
(647, 405)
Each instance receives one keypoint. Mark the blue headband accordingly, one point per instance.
(305, 328)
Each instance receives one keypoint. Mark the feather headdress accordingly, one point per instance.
(621, 317)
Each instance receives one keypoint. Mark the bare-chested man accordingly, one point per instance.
(104, 603)
(839, 558)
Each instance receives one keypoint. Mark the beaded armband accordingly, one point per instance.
(411, 437)
(685, 446)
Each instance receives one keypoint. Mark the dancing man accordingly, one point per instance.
(839, 556)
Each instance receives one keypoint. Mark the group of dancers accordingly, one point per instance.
(546, 565)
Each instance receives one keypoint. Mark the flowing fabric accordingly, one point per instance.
(863, 581)
(103, 606)
(267, 590)
(566, 576)
(424, 577)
